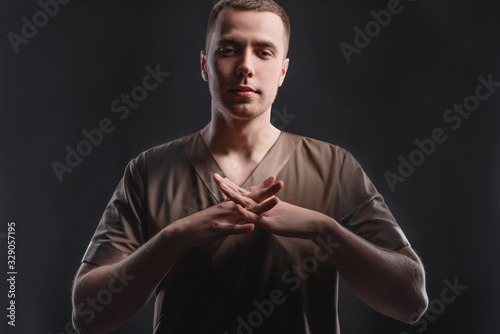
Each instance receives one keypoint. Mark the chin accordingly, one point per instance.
(245, 111)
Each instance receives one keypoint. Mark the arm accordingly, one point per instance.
(155, 258)
(391, 282)
(132, 281)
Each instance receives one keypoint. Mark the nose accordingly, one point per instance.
(245, 66)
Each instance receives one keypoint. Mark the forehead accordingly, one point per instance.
(249, 25)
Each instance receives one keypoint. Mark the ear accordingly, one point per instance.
(203, 63)
(284, 69)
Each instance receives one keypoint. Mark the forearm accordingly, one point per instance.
(125, 287)
(150, 263)
(393, 283)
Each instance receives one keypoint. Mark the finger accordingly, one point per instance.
(264, 194)
(267, 182)
(262, 221)
(219, 180)
(263, 206)
(235, 196)
(258, 193)
(239, 229)
(250, 216)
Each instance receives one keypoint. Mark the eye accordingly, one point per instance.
(265, 53)
(227, 51)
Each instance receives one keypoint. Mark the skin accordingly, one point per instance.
(247, 50)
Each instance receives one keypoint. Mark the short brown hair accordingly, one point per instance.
(259, 5)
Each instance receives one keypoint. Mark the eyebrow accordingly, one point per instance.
(237, 41)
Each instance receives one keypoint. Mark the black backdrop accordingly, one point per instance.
(394, 91)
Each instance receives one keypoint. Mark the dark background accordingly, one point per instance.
(395, 91)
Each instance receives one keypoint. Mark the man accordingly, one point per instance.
(224, 254)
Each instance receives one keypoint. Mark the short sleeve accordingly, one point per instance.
(122, 228)
(364, 210)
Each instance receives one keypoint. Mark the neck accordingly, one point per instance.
(248, 138)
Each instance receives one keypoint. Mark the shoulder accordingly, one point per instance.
(315, 148)
(171, 147)
(162, 155)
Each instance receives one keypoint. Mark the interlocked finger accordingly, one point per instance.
(257, 193)
(249, 215)
(262, 195)
(219, 179)
(235, 196)
(270, 180)
(263, 206)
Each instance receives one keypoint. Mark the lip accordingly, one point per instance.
(243, 91)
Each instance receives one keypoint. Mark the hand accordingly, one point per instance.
(222, 219)
(282, 219)
(254, 194)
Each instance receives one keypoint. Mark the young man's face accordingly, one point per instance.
(245, 63)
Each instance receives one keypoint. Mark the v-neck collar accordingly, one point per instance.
(205, 164)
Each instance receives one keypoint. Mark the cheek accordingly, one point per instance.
(222, 69)
(271, 76)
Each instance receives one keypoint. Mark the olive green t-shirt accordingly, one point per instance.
(256, 282)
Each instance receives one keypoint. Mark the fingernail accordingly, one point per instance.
(217, 176)
(224, 186)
